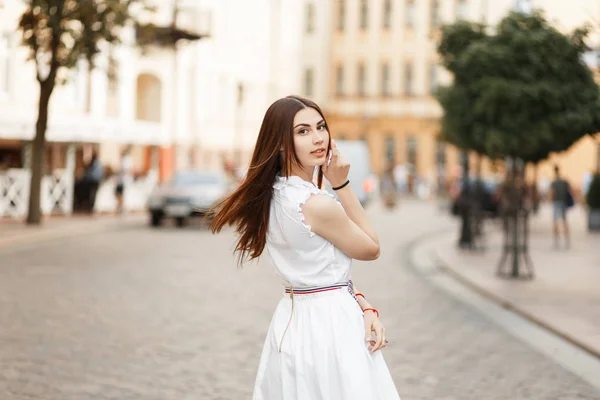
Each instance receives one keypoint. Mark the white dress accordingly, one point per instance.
(318, 351)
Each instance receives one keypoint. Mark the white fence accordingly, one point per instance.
(57, 193)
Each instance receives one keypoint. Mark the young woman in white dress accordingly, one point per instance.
(324, 337)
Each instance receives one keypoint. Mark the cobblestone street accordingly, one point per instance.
(140, 313)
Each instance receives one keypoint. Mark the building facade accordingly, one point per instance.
(191, 105)
(373, 66)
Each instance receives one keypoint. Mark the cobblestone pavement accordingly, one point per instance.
(165, 314)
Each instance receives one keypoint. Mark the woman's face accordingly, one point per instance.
(311, 138)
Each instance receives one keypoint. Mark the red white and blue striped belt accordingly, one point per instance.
(298, 290)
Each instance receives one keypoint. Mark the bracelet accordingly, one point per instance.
(371, 309)
(342, 186)
(361, 295)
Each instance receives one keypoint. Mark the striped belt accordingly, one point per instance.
(300, 290)
(318, 289)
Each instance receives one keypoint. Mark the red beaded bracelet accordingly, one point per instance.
(360, 294)
(371, 309)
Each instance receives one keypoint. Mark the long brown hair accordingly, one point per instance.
(248, 206)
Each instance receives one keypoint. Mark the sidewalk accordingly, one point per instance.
(16, 232)
(564, 296)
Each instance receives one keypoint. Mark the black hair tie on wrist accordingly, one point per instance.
(342, 186)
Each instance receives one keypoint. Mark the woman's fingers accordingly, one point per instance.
(326, 163)
(379, 331)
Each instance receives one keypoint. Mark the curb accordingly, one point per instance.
(444, 266)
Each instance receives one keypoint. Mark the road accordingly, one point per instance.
(140, 313)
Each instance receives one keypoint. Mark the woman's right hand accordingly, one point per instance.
(336, 171)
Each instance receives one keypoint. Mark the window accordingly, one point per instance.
(112, 98)
(339, 81)
(4, 62)
(341, 20)
(112, 72)
(411, 147)
(364, 14)
(310, 18)
(390, 150)
(308, 82)
(461, 9)
(362, 78)
(387, 14)
(385, 80)
(410, 14)
(408, 79)
(435, 14)
(433, 81)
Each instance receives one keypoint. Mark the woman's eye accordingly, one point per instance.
(321, 127)
(302, 131)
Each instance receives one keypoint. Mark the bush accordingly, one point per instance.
(593, 194)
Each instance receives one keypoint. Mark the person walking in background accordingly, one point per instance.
(123, 179)
(87, 186)
(389, 188)
(560, 192)
(324, 336)
(587, 180)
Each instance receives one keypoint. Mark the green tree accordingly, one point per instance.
(59, 33)
(522, 92)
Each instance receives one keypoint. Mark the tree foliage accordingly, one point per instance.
(61, 32)
(522, 92)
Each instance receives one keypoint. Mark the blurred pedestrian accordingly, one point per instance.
(321, 333)
(587, 180)
(90, 182)
(389, 187)
(562, 199)
(123, 179)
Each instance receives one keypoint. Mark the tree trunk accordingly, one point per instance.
(38, 151)
(515, 208)
(466, 234)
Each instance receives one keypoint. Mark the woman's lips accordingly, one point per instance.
(319, 153)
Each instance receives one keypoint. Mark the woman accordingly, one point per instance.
(319, 345)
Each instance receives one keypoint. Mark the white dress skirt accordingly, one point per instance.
(324, 354)
(315, 347)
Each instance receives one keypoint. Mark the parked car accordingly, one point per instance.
(188, 194)
(361, 177)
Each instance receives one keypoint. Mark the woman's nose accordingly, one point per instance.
(317, 138)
